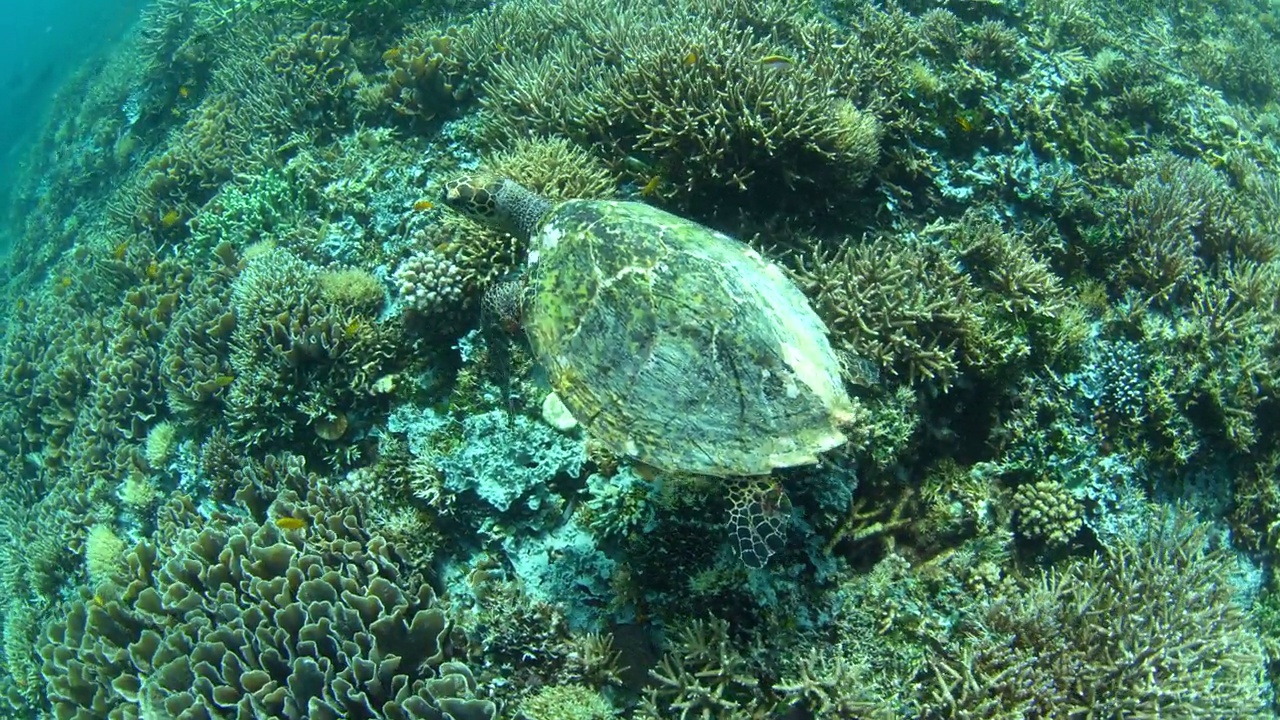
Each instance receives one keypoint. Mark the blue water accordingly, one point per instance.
(41, 44)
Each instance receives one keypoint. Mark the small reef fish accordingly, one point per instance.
(651, 187)
(777, 62)
(290, 523)
(423, 205)
(691, 57)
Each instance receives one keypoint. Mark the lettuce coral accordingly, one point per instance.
(318, 622)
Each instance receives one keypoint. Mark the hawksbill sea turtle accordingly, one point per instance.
(672, 344)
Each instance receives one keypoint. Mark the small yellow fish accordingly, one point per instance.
(153, 270)
(184, 91)
(224, 380)
(777, 62)
(120, 249)
(691, 57)
(171, 218)
(964, 123)
(353, 326)
(290, 523)
(422, 205)
(391, 55)
(651, 187)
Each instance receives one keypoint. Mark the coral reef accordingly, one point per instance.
(713, 100)
(1147, 627)
(327, 623)
(272, 445)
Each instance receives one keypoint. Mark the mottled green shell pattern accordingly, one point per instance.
(679, 346)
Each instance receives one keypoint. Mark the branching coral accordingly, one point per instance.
(429, 283)
(1046, 512)
(708, 97)
(1149, 628)
(905, 306)
(703, 676)
(968, 296)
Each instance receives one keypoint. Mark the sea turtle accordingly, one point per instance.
(671, 343)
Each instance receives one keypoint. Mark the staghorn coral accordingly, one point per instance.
(907, 307)
(327, 623)
(690, 94)
(965, 297)
(1147, 628)
(702, 676)
(828, 685)
(1181, 218)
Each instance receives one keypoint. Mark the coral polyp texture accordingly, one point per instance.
(289, 428)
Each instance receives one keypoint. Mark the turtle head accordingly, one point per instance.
(498, 202)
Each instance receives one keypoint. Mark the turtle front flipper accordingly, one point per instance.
(500, 316)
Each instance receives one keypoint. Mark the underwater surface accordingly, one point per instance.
(586, 359)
